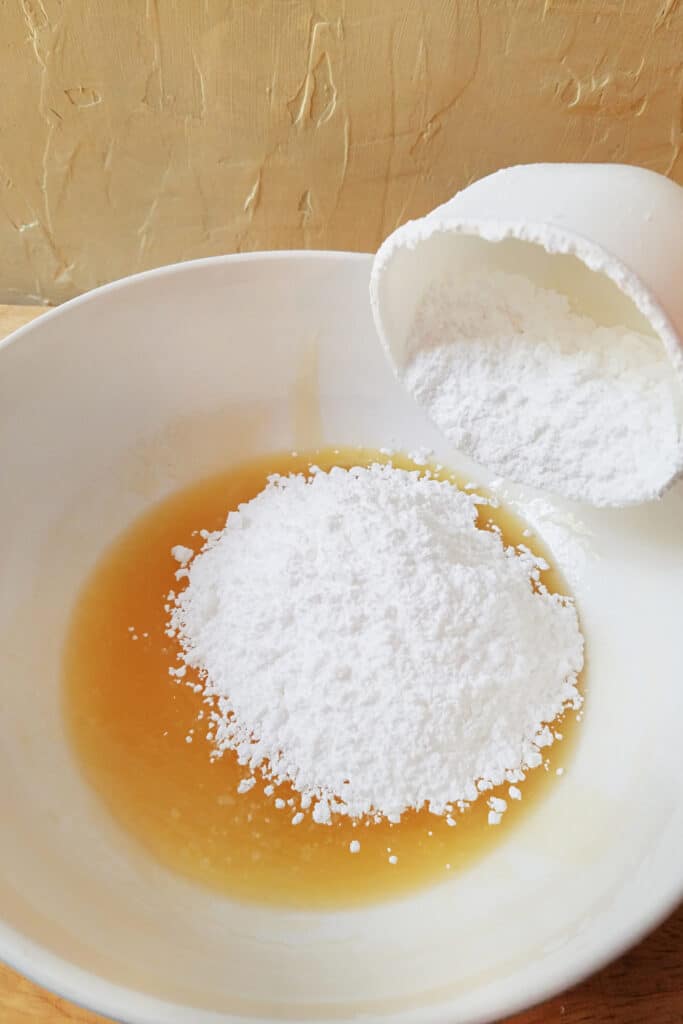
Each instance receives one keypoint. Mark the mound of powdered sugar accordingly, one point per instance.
(541, 395)
(365, 641)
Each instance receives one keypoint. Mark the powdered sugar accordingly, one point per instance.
(182, 554)
(542, 395)
(365, 641)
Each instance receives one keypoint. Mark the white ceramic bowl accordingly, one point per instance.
(117, 398)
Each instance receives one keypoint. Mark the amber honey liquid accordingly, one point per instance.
(130, 722)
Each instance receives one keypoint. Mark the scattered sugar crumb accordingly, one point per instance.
(246, 784)
(393, 859)
(514, 793)
(497, 804)
(182, 554)
(298, 818)
(421, 456)
(354, 846)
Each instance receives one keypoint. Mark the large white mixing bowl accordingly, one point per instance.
(114, 400)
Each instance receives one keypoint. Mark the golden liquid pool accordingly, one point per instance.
(129, 723)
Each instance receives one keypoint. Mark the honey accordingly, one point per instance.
(140, 735)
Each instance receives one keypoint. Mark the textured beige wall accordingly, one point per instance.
(134, 134)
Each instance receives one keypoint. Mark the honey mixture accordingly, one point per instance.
(141, 736)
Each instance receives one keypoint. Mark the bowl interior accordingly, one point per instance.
(115, 400)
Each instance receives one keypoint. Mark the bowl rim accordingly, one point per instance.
(169, 269)
(91, 991)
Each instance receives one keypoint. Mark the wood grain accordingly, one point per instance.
(643, 987)
(13, 317)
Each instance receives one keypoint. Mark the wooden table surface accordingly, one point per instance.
(643, 987)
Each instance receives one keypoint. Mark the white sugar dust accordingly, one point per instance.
(363, 639)
(544, 396)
